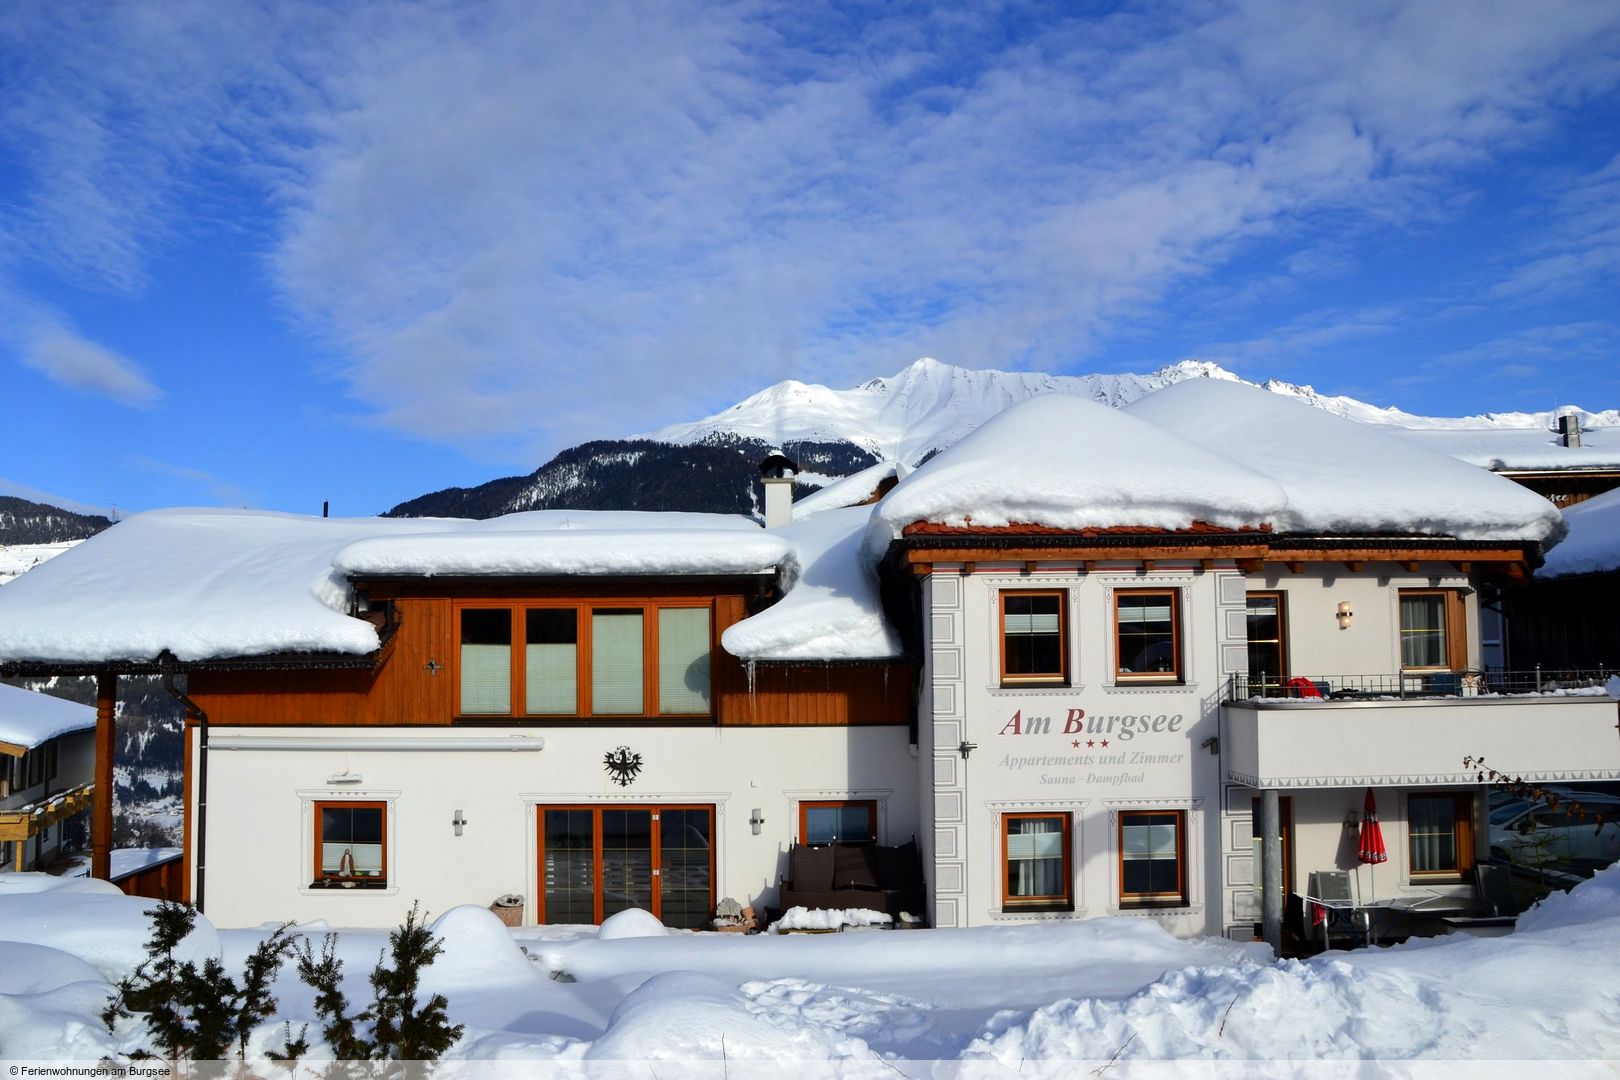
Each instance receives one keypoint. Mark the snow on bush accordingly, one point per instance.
(631, 923)
(800, 918)
(478, 950)
(91, 920)
(1595, 899)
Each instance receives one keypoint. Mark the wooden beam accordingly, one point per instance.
(969, 567)
(101, 818)
(1088, 555)
(1409, 565)
(1149, 565)
(1355, 566)
(922, 569)
(1295, 566)
(1249, 566)
(1464, 567)
(1206, 564)
(1029, 567)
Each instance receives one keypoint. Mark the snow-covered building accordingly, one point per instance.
(1139, 626)
(587, 711)
(1079, 655)
(1568, 616)
(47, 765)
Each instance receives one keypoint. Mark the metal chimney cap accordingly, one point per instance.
(778, 466)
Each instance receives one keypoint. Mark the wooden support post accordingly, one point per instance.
(101, 819)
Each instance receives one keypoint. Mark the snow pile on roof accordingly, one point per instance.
(852, 490)
(1067, 463)
(206, 583)
(1593, 543)
(28, 718)
(1342, 476)
(831, 610)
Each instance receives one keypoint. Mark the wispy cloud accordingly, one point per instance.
(518, 222)
(220, 490)
(71, 361)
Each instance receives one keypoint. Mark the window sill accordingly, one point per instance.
(1059, 907)
(359, 890)
(1175, 907)
(1127, 686)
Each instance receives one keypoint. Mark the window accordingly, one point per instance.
(1033, 646)
(582, 659)
(1152, 857)
(598, 861)
(1147, 626)
(351, 845)
(838, 822)
(1035, 856)
(1268, 653)
(1440, 834)
(1432, 636)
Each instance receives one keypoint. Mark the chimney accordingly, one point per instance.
(1569, 429)
(778, 471)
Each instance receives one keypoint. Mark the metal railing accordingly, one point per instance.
(1417, 684)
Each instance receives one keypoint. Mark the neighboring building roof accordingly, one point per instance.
(1593, 543)
(831, 610)
(207, 584)
(1340, 476)
(29, 719)
(18, 559)
(1527, 448)
(855, 489)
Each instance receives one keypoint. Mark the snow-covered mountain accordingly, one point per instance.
(930, 404)
(709, 464)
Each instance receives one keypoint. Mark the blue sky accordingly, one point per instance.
(266, 255)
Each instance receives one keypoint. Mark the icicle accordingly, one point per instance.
(750, 666)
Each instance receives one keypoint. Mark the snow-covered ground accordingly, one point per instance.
(1057, 999)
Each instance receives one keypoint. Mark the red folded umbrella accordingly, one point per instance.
(1372, 835)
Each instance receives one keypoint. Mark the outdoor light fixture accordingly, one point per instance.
(1212, 744)
(965, 748)
(1344, 615)
(756, 818)
(458, 821)
(1352, 822)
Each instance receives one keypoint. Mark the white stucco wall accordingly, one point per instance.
(1370, 645)
(261, 828)
(1026, 759)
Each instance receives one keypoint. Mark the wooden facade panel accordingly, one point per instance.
(414, 683)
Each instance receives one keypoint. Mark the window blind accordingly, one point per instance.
(616, 662)
(683, 661)
(551, 668)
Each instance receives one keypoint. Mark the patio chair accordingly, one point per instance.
(1332, 905)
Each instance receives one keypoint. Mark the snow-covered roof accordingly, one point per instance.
(831, 610)
(1532, 447)
(206, 583)
(1340, 476)
(1593, 543)
(851, 490)
(1068, 463)
(28, 719)
(1208, 451)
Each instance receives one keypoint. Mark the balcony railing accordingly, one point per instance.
(1419, 684)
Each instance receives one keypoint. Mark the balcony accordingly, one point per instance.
(1407, 730)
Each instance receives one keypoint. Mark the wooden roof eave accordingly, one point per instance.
(267, 662)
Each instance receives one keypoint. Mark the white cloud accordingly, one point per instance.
(514, 221)
(69, 360)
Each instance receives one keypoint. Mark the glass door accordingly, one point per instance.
(599, 861)
(1268, 646)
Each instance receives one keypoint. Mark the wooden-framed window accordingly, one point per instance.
(596, 861)
(1152, 858)
(1268, 642)
(351, 844)
(1034, 637)
(1036, 861)
(847, 821)
(1147, 635)
(1433, 637)
(633, 658)
(1440, 834)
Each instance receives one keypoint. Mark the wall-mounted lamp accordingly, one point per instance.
(965, 748)
(1352, 822)
(1344, 615)
(458, 821)
(344, 777)
(756, 819)
(1212, 744)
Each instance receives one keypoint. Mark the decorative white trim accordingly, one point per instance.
(348, 741)
(1075, 809)
(308, 797)
(1469, 778)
